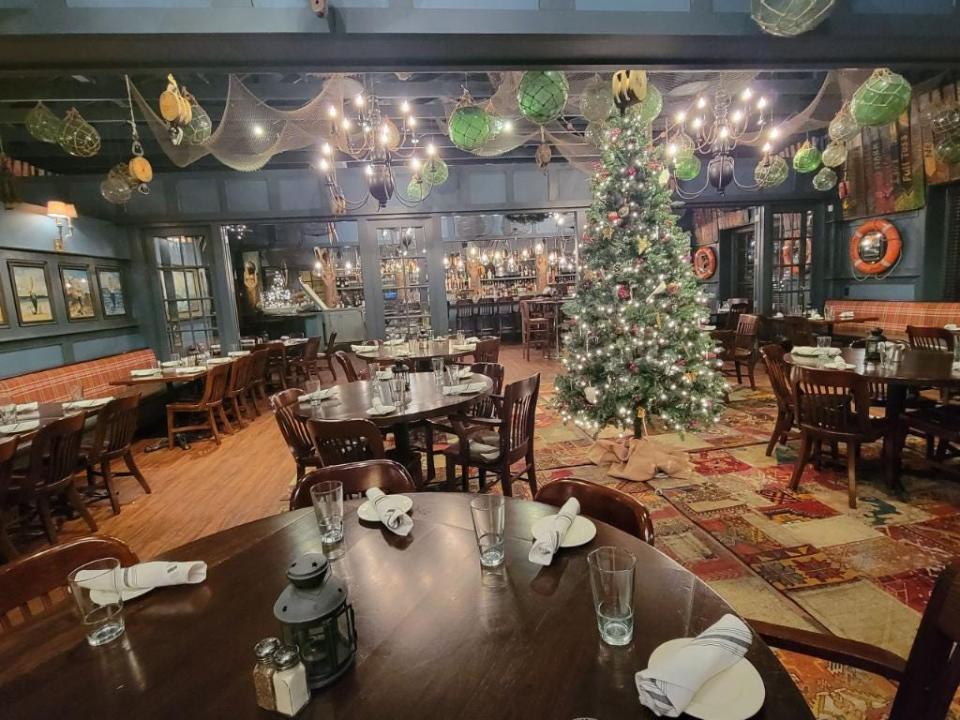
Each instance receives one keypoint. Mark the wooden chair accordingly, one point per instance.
(8, 451)
(209, 405)
(740, 347)
(337, 442)
(940, 426)
(276, 370)
(357, 478)
(736, 308)
(294, 430)
(602, 503)
(799, 331)
(535, 330)
(834, 406)
(487, 350)
(234, 399)
(499, 442)
(39, 576)
(305, 365)
(346, 364)
(54, 459)
(926, 681)
(113, 440)
(326, 357)
(930, 338)
(257, 387)
(778, 371)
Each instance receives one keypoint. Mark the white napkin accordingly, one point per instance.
(463, 373)
(951, 327)
(170, 364)
(28, 407)
(322, 394)
(394, 341)
(363, 348)
(838, 363)
(83, 404)
(466, 347)
(238, 353)
(140, 579)
(218, 361)
(668, 689)
(471, 340)
(379, 409)
(145, 372)
(20, 427)
(811, 351)
(389, 512)
(548, 542)
(385, 374)
(187, 370)
(463, 388)
(779, 315)
(847, 314)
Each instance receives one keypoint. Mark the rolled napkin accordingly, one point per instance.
(389, 512)
(86, 404)
(464, 348)
(394, 341)
(546, 544)
(668, 689)
(385, 374)
(140, 579)
(838, 363)
(363, 348)
(187, 370)
(145, 372)
(951, 327)
(471, 340)
(321, 394)
(28, 407)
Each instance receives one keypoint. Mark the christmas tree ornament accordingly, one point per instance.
(42, 124)
(825, 179)
(613, 216)
(435, 172)
(542, 95)
(623, 211)
(623, 292)
(650, 107)
(686, 167)
(417, 189)
(807, 158)
(843, 127)
(595, 134)
(882, 98)
(77, 136)
(469, 126)
(770, 172)
(596, 102)
(664, 177)
(834, 155)
(789, 18)
(642, 244)
(628, 87)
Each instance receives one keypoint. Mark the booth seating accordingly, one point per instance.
(894, 316)
(95, 376)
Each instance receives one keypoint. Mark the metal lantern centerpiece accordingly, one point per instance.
(317, 618)
(871, 345)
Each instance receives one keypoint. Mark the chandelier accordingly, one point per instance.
(715, 127)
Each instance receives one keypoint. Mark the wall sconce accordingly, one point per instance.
(62, 213)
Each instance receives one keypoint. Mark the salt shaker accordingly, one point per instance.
(289, 681)
(263, 672)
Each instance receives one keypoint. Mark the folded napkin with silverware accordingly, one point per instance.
(28, 407)
(394, 341)
(321, 394)
(363, 348)
(140, 579)
(390, 512)
(547, 542)
(837, 363)
(464, 388)
(668, 689)
(87, 404)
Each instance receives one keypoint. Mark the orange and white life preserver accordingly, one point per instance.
(891, 255)
(705, 263)
(786, 256)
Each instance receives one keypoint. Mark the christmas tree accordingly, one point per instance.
(636, 348)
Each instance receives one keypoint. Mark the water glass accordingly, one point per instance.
(611, 580)
(103, 620)
(175, 357)
(437, 365)
(488, 513)
(460, 337)
(398, 389)
(327, 500)
(372, 369)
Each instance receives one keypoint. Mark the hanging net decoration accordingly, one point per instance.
(649, 108)
(469, 127)
(435, 172)
(417, 189)
(118, 186)
(198, 130)
(770, 172)
(825, 179)
(78, 137)
(883, 98)
(843, 127)
(596, 102)
(542, 95)
(686, 167)
(807, 158)
(789, 18)
(43, 124)
(835, 154)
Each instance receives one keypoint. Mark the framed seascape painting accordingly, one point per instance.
(31, 292)
(77, 293)
(111, 292)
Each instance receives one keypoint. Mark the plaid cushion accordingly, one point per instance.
(94, 376)
(894, 316)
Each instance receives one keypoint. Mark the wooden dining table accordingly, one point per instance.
(437, 636)
(414, 353)
(47, 413)
(167, 376)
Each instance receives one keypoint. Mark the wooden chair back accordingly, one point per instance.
(216, 382)
(487, 351)
(357, 478)
(779, 373)
(798, 331)
(525, 314)
(37, 577)
(831, 404)
(276, 353)
(930, 338)
(486, 406)
(346, 364)
(293, 428)
(748, 327)
(331, 345)
(239, 374)
(602, 503)
(737, 306)
(116, 426)
(519, 416)
(311, 349)
(258, 365)
(54, 453)
(337, 442)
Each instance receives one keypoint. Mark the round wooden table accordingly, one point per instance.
(437, 637)
(414, 353)
(425, 399)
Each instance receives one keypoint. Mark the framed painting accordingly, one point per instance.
(112, 299)
(77, 292)
(31, 292)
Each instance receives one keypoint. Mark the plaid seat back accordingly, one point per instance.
(894, 316)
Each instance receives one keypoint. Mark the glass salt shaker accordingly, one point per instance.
(263, 672)
(289, 681)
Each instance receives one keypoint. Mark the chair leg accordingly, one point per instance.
(853, 453)
(753, 382)
(505, 483)
(451, 474)
(213, 426)
(46, 517)
(465, 476)
(778, 432)
(428, 441)
(482, 479)
(74, 497)
(736, 365)
(224, 419)
(135, 471)
(532, 474)
(108, 483)
(170, 417)
(801, 462)
(235, 406)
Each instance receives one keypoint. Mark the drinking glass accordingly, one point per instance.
(175, 357)
(611, 580)
(460, 337)
(823, 342)
(8, 410)
(398, 389)
(313, 388)
(488, 513)
(103, 623)
(327, 500)
(437, 365)
(372, 369)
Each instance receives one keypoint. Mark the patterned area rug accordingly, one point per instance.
(800, 558)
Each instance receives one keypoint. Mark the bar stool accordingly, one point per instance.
(466, 311)
(506, 317)
(486, 318)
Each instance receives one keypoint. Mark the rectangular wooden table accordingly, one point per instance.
(165, 377)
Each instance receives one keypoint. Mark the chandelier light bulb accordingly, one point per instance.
(701, 103)
(358, 101)
(508, 126)
(326, 149)
(761, 103)
(746, 94)
(414, 164)
(680, 117)
(737, 116)
(767, 147)
(431, 149)
(473, 251)
(697, 122)
(724, 131)
(411, 121)
(331, 112)
(405, 107)
(672, 149)
(348, 265)
(317, 267)
(346, 124)
(368, 170)
(774, 133)
(257, 130)
(324, 165)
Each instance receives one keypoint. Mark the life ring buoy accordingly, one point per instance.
(705, 263)
(786, 256)
(875, 247)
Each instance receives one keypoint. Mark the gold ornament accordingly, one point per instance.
(643, 244)
(607, 232)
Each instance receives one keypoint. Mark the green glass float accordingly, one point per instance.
(843, 127)
(789, 18)
(470, 127)
(43, 124)
(650, 107)
(807, 158)
(883, 98)
(835, 154)
(596, 133)
(434, 172)
(418, 189)
(681, 145)
(825, 179)
(596, 102)
(200, 127)
(78, 137)
(770, 172)
(542, 95)
(947, 149)
(686, 167)
(944, 119)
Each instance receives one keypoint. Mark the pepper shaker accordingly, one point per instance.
(263, 672)
(289, 681)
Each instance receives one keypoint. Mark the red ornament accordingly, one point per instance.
(612, 216)
(673, 288)
(632, 367)
(631, 171)
(615, 134)
(623, 292)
